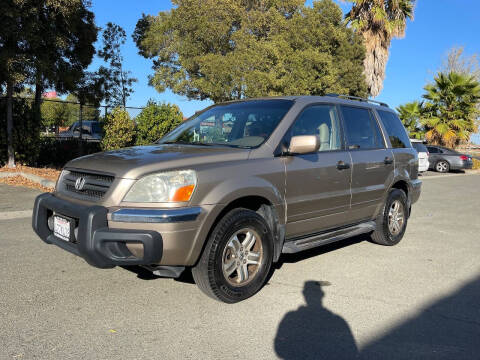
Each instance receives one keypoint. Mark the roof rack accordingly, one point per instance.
(349, 97)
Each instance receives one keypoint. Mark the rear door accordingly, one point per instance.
(318, 184)
(373, 163)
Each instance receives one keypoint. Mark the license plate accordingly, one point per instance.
(61, 227)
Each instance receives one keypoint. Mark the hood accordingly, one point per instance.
(134, 162)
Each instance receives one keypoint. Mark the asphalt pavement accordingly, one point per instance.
(354, 299)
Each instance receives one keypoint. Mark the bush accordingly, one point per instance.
(155, 121)
(119, 130)
(56, 153)
(476, 164)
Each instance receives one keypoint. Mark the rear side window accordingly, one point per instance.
(419, 147)
(433, 150)
(395, 130)
(361, 129)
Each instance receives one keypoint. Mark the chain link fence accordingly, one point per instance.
(65, 130)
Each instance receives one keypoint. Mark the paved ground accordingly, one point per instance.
(418, 300)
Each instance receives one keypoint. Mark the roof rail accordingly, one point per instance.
(349, 97)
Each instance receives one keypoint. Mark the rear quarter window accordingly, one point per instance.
(395, 130)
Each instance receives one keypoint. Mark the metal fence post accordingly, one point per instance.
(80, 138)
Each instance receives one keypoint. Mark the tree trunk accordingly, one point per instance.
(38, 98)
(11, 153)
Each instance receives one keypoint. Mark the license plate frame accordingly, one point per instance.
(63, 227)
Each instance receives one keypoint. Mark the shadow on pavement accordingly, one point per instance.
(447, 329)
(314, 332)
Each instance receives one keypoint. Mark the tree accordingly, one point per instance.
(379, 21)
(44, 42)
(450, 110)
(234, 49)
(155, 121)
(117, 82)
(411, 115)
(55, 113)
(457, 61)
(119, 130)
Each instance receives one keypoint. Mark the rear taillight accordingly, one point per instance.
(464, 158)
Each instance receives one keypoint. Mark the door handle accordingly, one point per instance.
(388, 161)
(341, 165)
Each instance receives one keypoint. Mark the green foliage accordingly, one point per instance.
(231, 49)
(119, 130)
(26, 132)
(117, 83)
(378, 22)
(450, 110)
(155, 121)
(55, 113)
(411, 114)
(46, 43)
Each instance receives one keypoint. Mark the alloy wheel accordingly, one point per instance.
(242, 257)
(396, 218)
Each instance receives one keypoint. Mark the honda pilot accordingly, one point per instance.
(230, 190)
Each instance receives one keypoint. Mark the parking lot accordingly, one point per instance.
(418, 300)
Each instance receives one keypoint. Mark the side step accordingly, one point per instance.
(304, 243)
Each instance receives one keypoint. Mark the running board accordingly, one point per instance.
(297, 245)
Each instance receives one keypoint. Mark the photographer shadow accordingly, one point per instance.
(314, 332)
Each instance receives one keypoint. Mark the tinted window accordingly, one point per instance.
(240, 124)
(395, 130)
(361, 129)
(433, 150)
(419, 147)
(321, 121)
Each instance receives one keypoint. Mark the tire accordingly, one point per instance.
(214, 275)
(442, 166)
(386, 233)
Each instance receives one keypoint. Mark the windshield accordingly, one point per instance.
(244, 124)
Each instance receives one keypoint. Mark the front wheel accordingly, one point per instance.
(237, 258)
(392, 222)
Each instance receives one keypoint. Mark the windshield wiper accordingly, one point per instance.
(188, 143)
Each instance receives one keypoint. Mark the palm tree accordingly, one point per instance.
(411, 114)
(379, 21)
(450, 111)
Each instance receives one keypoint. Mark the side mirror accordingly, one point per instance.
(304, 144)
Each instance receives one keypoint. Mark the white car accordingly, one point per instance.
(423, 154)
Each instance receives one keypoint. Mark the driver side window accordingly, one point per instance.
(321, 121)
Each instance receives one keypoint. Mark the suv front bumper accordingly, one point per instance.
(93, 240)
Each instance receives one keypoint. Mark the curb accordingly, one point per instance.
(35, 178)
(446, 176)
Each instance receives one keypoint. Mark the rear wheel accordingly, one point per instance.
(392, 223)
(237, 258)
(442, 166)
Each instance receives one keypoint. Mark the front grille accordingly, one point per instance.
(94, 187)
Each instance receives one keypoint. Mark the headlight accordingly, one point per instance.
(172, 186)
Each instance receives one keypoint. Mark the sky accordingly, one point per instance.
(438, 26)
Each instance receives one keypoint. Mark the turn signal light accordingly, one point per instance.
(183, 194)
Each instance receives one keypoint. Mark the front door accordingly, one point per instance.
(318, 184)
